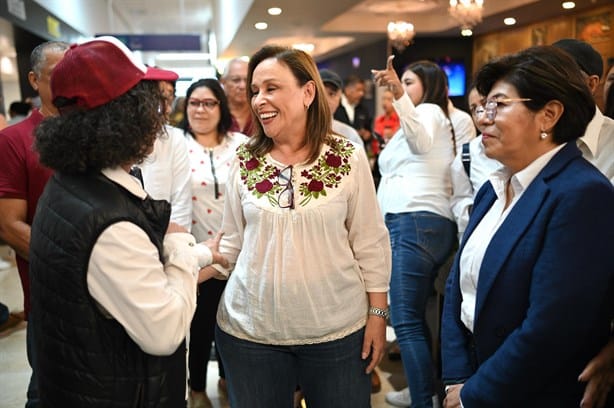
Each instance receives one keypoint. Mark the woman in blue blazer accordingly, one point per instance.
(530, 298)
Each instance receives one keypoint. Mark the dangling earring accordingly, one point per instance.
(543, 135)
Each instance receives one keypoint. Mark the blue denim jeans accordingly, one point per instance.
(420, 243)
(330, 374)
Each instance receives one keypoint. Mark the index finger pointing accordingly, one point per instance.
(389, 62)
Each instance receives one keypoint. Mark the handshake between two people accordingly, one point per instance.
(213, 244)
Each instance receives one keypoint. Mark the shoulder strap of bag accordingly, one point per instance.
(466, 159)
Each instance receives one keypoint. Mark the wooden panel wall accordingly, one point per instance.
(595, 26)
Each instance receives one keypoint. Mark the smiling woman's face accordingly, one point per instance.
(278, 100)
(203, 120)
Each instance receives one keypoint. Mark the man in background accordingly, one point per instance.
(333, 85)
(235, 83)
(351, 110)
(23, 178)
(597, 143)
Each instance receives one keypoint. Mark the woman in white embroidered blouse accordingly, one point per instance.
(414, 194)
(306, 300)
(211, 151)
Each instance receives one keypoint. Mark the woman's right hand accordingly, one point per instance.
(389, 78)
(214, 245)
(599, 375)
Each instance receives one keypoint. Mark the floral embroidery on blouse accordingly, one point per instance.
(261, 178)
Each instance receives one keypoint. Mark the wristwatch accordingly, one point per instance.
(376, 311)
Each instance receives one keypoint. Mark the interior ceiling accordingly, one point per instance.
(333, 26)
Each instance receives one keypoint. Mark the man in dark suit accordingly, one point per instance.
(351, 110)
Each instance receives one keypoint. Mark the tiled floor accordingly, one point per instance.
(15, 371)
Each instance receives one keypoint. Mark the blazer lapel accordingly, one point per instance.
(506, 237)
(517, 222)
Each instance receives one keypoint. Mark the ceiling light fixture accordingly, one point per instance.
(400, 34)
(307, 47)
(467, 12)
(261, 25)
(509, 21)
(568, 5)
(274, 11)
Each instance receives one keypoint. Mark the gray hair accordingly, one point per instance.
(232, 61)
(38, 55)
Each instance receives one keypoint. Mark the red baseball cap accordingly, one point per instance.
(97, 71)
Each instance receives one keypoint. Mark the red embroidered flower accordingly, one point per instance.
(264, 186)
(333, 161)
(252, 164)
(315, 186)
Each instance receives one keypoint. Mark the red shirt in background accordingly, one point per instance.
(247, 130)
(385, 126)
(22, 177)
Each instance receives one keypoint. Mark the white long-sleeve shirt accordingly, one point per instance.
(597, 144)
(348, 132)
(153, 301)
(477, 244)
(302, 275)
(464, 129)
(465, 187)
(166, 175)
(415, 165)
(207, 210)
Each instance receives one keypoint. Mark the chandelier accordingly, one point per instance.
(400, 34)
(467, 12)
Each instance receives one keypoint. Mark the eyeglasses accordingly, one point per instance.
(208, 104)
(286, 197)
(490, 107)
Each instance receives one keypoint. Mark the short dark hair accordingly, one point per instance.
(543, 74)
(434, 82)
(119, 132)
(214, 86)
(353, 79)
(319, 117)
(38, 55)
(19, 108)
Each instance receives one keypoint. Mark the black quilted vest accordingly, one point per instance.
(84, 358)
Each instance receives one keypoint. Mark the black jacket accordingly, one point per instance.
(84, 358)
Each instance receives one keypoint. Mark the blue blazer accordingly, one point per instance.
(545, 294)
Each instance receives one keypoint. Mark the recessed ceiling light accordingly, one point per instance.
(509, 21)
(274, 11)
(261, 25)
(466, 32)
(307, 47)
(568, 5)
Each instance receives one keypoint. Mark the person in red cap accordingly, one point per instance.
(113, 282)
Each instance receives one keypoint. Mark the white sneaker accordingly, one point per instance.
(403, 399)
(399, 398)
(5, 264)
